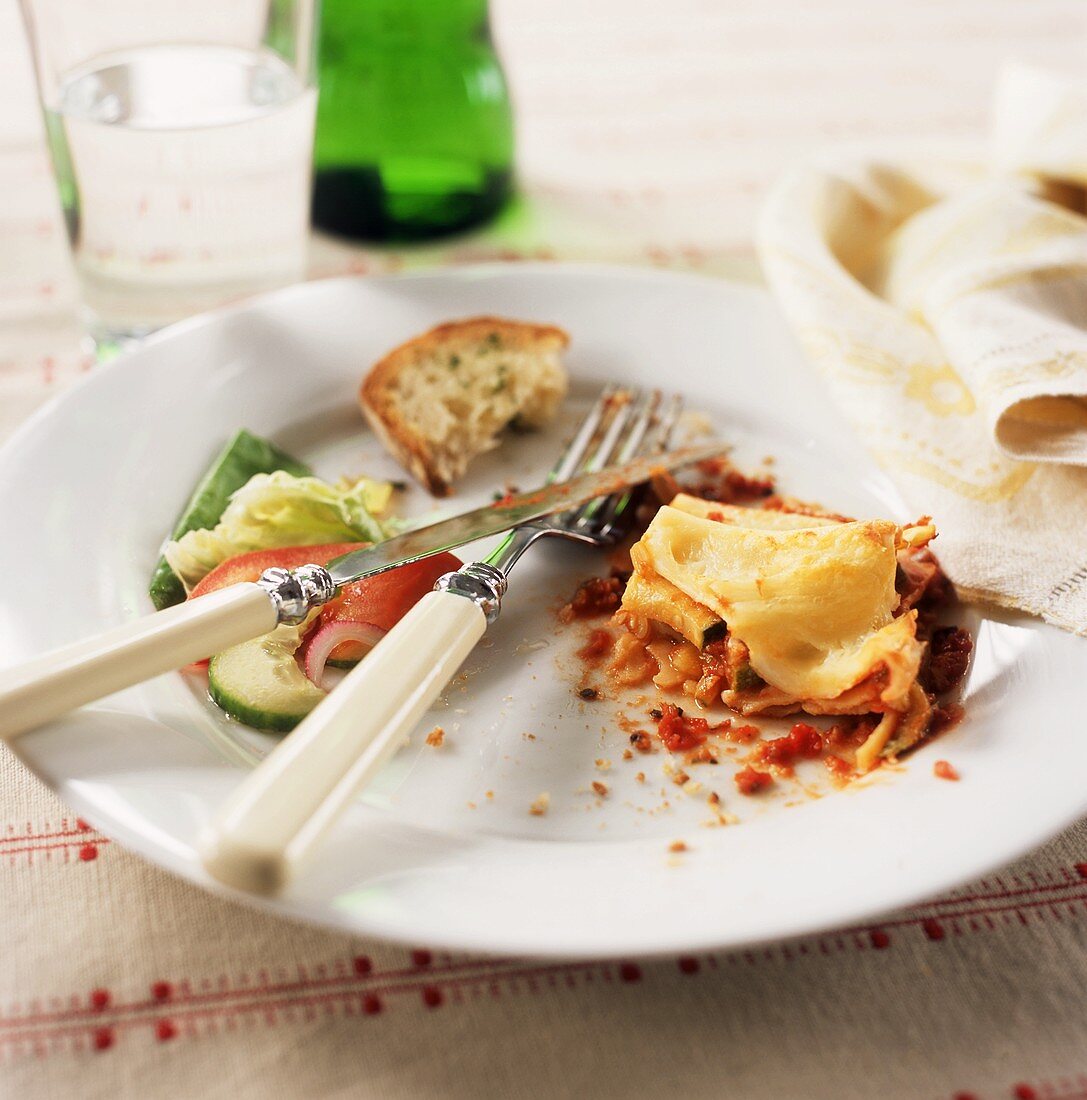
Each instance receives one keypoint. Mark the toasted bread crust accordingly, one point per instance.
(377, 392)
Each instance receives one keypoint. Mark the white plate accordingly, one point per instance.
(88, 488)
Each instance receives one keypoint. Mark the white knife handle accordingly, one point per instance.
(55, 683)
(273, 819)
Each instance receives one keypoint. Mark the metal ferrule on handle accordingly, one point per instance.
(296, 592)
(277, 814)
(479, 582)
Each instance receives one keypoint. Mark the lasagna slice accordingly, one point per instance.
(788, 612)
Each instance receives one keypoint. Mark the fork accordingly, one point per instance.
(276, 816)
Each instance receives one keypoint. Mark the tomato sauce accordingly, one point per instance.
(802, 742)
(838, 767)
(595, 596)
(948, 658)
(750, 781)
(597, 645)
(943, 718)
(742, 734)
(849, 732)
(722, 482)
(678, 732)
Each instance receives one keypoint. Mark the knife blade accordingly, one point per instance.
(493, 519)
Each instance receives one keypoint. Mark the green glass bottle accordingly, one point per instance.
(414, 126)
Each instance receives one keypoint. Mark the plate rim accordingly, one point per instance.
(651, 947)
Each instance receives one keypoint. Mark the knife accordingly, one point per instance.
(49, 686)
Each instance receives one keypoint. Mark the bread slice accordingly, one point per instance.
(441, 399)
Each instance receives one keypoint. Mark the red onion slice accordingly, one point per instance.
(321, 643)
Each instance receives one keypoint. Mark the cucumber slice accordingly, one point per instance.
(245, 455)
(260, 683)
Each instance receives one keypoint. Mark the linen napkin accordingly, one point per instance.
(946, 304)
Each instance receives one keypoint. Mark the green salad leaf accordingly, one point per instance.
(279, 509)
(243, 456)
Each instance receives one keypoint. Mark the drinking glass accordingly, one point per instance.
(181, 135)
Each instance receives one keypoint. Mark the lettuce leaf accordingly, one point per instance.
(279, 509)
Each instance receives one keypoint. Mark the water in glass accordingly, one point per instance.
(184, 176)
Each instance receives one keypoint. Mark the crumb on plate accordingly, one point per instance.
(600, 788)
(436, 737)
(943, 770)
(640, 740)
(539, 805)
(704, 754)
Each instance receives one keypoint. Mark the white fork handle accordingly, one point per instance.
(51, 685)
(277, 814)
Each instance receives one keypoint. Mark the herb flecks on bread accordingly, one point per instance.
(441, 399)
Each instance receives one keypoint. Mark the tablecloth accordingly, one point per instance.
(648, 134)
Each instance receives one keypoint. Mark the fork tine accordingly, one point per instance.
(608, 446)
(606, 512)
(613, 431)
(613, 418)
(571, 459)
(605, 451)
(631, 433)
(624, 440)
(644, 408)
(666, 425)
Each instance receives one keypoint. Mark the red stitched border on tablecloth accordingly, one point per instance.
(1063, 1088)
(194, 1012)
(175, 1008)
(29, 850)
(70, 838)
(357, 983)
(161, 1014)
(29, 837)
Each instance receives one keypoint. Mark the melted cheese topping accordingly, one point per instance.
(760, 519)
(811, 598)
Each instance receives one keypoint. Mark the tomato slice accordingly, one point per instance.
(248, 567)
(382, 600)
(385, 599)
